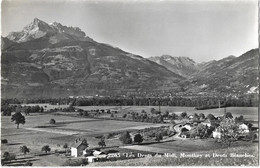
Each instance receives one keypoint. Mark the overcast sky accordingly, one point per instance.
(203, 31)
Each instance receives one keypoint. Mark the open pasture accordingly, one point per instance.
(251, 149)
(37, 131)
(40, 122)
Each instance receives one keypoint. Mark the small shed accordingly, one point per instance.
(185, 134)
(207, 123)
(92, 159)
(97, 153)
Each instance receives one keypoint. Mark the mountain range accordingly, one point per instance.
(53, 60)
(229, 75)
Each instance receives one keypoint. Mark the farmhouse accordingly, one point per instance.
(207, 123)
(243, 128)
(191, 117)
(217, 134)
(187, 126)
(77, 148)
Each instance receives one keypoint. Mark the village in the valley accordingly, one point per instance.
(189, 127)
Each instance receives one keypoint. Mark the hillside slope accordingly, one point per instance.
(228, 75)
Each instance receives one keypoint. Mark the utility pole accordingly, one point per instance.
(218, 105)
(160, 105)
(59, 103)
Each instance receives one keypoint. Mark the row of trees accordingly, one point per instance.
(143, 117)
(8, 109)
(27, 110)
(202, 131)
(8, 157)
(194, 101)
(176, 101)
(150, 133)
(126, 138)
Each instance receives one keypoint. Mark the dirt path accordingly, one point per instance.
(55, 131)
(178, 132)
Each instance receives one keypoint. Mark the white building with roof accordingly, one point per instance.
(77, 148)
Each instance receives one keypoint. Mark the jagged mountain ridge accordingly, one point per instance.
(52, 60)
(55, 31)
(183, 66)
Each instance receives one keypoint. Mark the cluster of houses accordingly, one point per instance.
(190, 124)
(80, 149)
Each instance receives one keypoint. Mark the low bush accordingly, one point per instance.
(59, 151)
(109, 135)
(125, 138)
(52, 121)
(4, 141)
(28, 163)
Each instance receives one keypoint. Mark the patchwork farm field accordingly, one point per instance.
(37, 132)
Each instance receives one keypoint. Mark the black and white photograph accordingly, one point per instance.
(102, 83)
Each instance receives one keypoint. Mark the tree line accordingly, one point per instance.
(8, 109)
(194, 101)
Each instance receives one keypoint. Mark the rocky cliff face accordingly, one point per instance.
(54, 31)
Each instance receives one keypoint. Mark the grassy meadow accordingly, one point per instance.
(252, 150)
